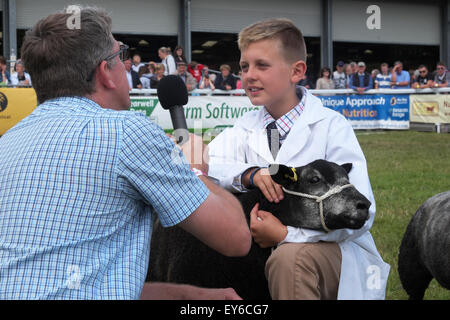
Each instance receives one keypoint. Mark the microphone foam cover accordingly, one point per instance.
(172, 91)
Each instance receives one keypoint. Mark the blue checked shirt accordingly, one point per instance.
(79, 186)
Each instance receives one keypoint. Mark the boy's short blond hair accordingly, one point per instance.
(291, 38)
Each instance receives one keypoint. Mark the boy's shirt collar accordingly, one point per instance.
(286, 122)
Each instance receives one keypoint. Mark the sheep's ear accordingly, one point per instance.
(347, 166)
(282, 174)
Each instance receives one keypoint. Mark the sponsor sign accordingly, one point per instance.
(430, 108)
(379, 111)
(15, 104)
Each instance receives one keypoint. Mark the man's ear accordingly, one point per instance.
(282, 174)
(104, 76)
(348, 167)
(298, 70)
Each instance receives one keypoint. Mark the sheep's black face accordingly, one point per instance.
(345, 209)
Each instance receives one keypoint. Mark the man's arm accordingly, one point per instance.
(429, 84)
(370, 85)
(220, 215)
(153, 170)
(217, 218)
(350, 83)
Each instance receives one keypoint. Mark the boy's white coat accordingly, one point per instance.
(319, 133)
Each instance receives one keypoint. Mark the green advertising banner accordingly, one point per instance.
(202, 112)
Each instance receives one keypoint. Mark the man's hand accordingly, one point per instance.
(266, 229)
(360, 90)
(195, 151)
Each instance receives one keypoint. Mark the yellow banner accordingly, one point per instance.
(429, 108)
(15, 104)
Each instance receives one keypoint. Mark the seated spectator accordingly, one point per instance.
(5, 77)
(137, 63)
(400, 78)
(354, 67)
(424, 80)
(21, 77)
(442, 77)
(195, 69)
(132, 76)
(151, 69)
(205, 70)
(179, 55)
(144, 77)
(225, 80)
(374, 74)
(206, 83)
(383, 79)
(348, 74)
(167, 60)
(339, 77)
(159, 74)
(361, 81)
(188, 79)
(325, 82)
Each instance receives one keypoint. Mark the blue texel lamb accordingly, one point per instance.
(178, 257)
(425, 249)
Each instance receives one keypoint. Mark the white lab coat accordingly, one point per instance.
(319, 133)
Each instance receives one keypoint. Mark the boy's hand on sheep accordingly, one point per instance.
(266, 229)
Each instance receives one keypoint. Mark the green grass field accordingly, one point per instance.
(405, 169)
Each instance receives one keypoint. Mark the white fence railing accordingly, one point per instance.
(313, 91)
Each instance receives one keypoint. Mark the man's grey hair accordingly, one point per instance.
(62, 61)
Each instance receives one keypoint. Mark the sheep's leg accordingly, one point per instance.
(414, 276)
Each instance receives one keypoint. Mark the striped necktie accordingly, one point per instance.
(273, 137)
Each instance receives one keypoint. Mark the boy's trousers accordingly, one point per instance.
(304, 271)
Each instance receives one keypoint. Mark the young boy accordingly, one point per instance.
(307, 264)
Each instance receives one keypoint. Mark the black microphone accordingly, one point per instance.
(173, 95)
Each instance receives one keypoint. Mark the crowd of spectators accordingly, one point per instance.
(355, 76)
(18, 78)
(351, 75)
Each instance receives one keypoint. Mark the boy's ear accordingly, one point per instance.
(298, 70)
(282, 174)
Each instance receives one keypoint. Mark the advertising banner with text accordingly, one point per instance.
(15, 104)
(379, 111)
(202, 112)
(430, 108)
(207, 112)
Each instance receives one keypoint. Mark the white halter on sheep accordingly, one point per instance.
(320, 199)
